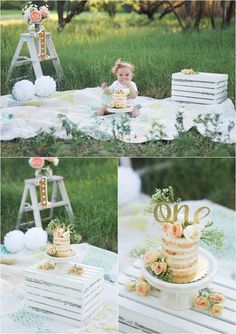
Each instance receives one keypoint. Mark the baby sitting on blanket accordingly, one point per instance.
(123, 71)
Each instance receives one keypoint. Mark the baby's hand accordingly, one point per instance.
(127, 83)
(104, 85)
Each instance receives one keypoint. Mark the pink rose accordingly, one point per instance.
(36, 162)
(150, 256)
(35, 16)
(216, 309)
(44, 11)
(143, 288)
(201, 303)
(216, 297)
(159, 267)
(165, 227)
(177, 230)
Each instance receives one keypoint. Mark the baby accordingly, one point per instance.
(123, 71)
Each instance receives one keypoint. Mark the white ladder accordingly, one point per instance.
(34, 59)
(36, 207)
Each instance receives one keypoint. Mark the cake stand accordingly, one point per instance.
(62, 262)
(179, 296)
(120, 111)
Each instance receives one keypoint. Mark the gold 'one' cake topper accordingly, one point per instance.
(163, 212)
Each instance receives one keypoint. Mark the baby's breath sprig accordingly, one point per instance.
(214, 238)
(165, 195)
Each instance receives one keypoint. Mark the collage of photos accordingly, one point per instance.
(118, 167)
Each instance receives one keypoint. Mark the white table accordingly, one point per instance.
(146, 314)
(17, 319)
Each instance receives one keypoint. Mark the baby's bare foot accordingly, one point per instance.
(135, 112)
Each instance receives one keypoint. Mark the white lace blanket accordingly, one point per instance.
(25, 120)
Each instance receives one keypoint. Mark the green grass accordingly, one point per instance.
(90, 44)
(92, 188)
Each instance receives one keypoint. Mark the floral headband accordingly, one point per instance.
(119, 64)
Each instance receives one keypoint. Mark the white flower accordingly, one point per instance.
(192, 233)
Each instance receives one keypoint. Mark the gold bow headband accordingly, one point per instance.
(119, 63)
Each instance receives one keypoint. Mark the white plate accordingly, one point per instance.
(120, 111)
(64, 259)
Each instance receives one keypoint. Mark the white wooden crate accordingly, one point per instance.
(146, 315)
(65, 297)
(200, 88)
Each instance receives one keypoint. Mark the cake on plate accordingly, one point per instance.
(119, 99)
(61, 246)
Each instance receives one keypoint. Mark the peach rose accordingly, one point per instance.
(216, 297)
(44, 11)
(150, 256)
(35, 16)
(159, 267)
(216, 309)
(201, 303)
(143, 288)
(53, 160)
(36, 162)
(51, 250)
(165, 227)
(177, 230)
(192, 233)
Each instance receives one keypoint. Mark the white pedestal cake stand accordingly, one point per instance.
(62, 262)
(120, 111)
(179, 296)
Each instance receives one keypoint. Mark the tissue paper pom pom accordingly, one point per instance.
(14, 241)
(35, 238)
(129, 185)
(23, 90)
(45, 86)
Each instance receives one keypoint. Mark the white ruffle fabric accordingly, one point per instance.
(25, 119)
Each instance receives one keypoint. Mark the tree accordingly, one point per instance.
(73, 8)
(147, 7)
(109, 6)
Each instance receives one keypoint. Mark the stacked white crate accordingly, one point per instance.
(200, 88)
(62, 296)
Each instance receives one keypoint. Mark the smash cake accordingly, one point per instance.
(178, 259)
(119, 99)
(61, 246)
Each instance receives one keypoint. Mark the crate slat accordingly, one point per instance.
(203, 90)
(196, 100)
(201, 76)
(197, 84)
(202, 96)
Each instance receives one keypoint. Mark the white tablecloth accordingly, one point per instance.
(17, 319)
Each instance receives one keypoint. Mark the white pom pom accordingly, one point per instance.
(14, 241)
(45, 86)
(35, 238)
(23, 90)
(129, 185)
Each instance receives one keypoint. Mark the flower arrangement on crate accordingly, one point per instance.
(62, 236)
(34, 15)
(179, 235)
(209, 300)
(42, 165)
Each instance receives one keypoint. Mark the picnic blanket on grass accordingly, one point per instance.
(157, 118)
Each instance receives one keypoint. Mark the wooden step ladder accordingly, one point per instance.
(36, 207)
(33, 45)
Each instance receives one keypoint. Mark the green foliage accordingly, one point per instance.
(108, 6)
(165, 195)
(213, 237)
(92, 188)
(192, 178)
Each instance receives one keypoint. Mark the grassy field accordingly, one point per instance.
(89, 46)
(92, 188)
(212, 179)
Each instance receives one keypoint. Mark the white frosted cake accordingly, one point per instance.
(181, 255)
(119, 99)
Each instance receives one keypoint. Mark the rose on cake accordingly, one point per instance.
(192, 233)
